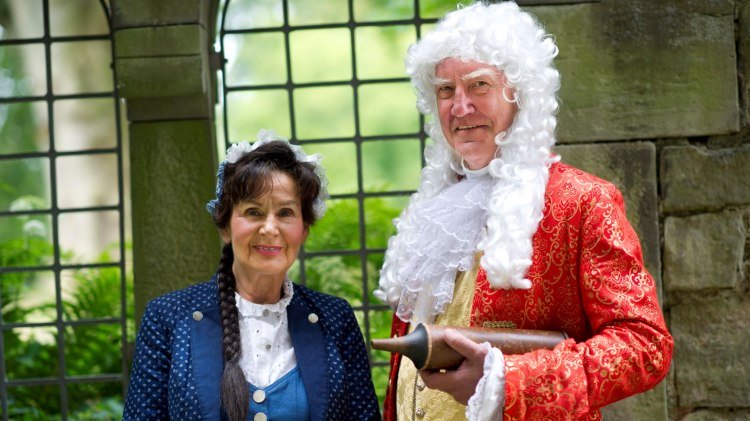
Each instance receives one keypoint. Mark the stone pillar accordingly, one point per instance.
(163, 55)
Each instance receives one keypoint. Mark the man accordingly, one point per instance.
(500, 234)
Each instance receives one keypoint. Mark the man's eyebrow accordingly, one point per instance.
(478, 73)
(471, 75)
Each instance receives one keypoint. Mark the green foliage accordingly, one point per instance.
(380, 380)
(100, 409)
(341, 275)
(379, 215)
(338, 229)
(88, 349)
(96, 349)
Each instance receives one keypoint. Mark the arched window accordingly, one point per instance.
(62, 227)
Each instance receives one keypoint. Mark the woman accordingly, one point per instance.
(250, 344)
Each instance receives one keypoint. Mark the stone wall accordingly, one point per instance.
(655, 98)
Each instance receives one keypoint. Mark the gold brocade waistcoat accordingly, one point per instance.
(414, 401)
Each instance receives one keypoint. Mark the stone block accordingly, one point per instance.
(695, 179)
(173, 167)
(134, 13)
(155, 41)
(151, 77)
(647, 406)
(644, 69)
(632, 168)
(738, 414)
(743, 47)
(703, 251)
(712, 365)
(170, 108)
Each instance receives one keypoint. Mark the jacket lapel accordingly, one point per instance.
(310, 349)
(208, 361)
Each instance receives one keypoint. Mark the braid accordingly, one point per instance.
(235, 392)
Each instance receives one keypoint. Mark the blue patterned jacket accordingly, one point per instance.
(178, 361)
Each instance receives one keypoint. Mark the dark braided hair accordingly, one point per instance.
(234, 389)
(249, 178)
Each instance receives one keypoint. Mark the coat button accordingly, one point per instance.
(420, 386)
(198, 316)
(312, 318)
(260, 417)
(420, 413)
(259, 396)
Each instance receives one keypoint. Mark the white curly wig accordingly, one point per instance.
(510, 39)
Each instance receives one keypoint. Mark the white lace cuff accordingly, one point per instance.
(489, 397)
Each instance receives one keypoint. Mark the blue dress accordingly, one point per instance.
(285, 399)
(178, 362)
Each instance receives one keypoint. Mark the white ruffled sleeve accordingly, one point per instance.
(489, 397)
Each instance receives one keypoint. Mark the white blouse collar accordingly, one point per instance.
(249, 308)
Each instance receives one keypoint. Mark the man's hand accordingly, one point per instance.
(461, 382)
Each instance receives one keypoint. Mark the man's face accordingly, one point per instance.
(473, 107)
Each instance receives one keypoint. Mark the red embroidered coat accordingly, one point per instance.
(588, 280)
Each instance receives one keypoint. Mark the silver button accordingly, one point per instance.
(420, 386)
(312, 318)
(259, 396)
(420, 413)
(260, 417)
(198, 316)
(265, 313)
(268, 347)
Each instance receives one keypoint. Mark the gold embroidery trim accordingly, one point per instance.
(507, 324)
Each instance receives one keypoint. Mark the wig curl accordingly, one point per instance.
(504, 36)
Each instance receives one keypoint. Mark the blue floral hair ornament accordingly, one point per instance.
(213, 203)
(240, 149)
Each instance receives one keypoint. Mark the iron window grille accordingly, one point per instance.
(60, 207)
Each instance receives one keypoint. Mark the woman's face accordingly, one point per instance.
(266, 232)
(473, 107)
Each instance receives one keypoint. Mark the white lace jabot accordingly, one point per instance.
(437, 240)
(267, 352)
